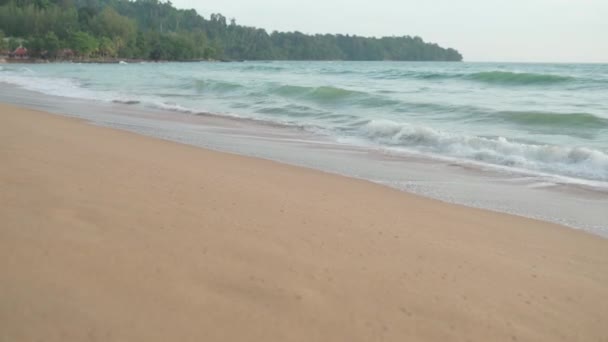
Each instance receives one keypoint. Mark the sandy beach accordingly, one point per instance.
(106, 235)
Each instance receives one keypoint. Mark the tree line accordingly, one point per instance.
(155, 30)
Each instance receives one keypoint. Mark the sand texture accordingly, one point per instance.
(106, 235)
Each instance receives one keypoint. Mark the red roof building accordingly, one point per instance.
(20, 52)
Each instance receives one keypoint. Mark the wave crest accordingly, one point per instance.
(516, 78)
(215, 86)
(580, 162)
(324, 94)
(547, 119)
(262, 68)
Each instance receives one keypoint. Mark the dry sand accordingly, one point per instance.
(110, 236)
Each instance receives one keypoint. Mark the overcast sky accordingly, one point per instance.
(482, 30)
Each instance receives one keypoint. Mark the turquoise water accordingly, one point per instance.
(549, 119)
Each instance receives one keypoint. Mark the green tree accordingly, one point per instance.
(35, 46)
(13, 44)
(3, 43)
(106, 47)
(120, 29)
(155, 29)
(83, 43)
(51, 44)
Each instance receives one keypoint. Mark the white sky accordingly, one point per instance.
(482, 30)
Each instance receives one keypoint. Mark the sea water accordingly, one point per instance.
(546, 122)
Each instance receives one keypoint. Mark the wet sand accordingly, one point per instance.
(111, 236)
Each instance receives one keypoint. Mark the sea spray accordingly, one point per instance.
(579, 162)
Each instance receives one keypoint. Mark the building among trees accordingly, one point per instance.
(19, 52)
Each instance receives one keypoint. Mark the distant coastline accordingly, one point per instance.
(93, 60)
(156, 31)
(142, 60)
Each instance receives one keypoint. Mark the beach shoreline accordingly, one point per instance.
(109, 235)
(569, 202)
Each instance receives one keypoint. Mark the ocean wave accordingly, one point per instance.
(170, 106)
(393, 74)
(64, 87)
(324, 94)
(338, 72)
(330, 96)
(549, 120)
(580, 162)
(72, 88)
(262, 68)
(215, 86)
(27, 70)
(489, 77)
(517, 78)
(328, 93)
(290, 111)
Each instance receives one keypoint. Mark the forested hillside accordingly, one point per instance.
(151, 29)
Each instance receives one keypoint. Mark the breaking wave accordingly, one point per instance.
(581, 162)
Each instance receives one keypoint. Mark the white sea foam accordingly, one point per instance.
(67, 87)
(580, 162)
(63, 87)
(170, 106)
